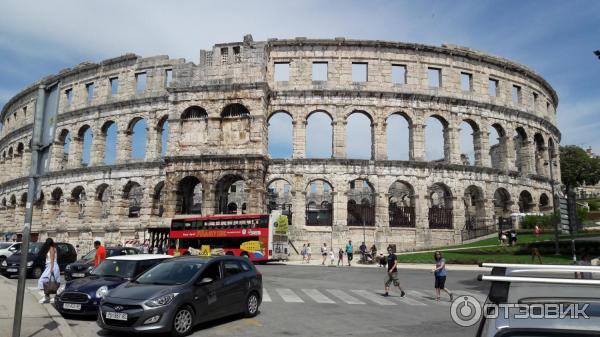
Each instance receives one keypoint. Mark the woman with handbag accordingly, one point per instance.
(50, 279)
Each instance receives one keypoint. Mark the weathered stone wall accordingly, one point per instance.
(233, 92)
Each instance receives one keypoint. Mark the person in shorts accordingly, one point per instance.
(308, 253)
(340, 257)
(440, 272)
(392, 273)
(324, 253)
(349, 249)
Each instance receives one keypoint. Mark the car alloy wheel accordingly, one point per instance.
(252, 305)
(183, 321)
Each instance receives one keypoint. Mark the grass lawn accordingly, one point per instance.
(474, 255)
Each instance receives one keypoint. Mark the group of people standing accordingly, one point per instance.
(327, 252)
(52, 270)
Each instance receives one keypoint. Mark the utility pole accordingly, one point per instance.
(550, 163)
(46, 108)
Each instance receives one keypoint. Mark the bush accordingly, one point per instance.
(594, 205)
(544, 221)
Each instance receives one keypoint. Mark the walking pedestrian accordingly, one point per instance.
(373, 252)
(100, 253)
(303, 253)
(51, 270)
(308, 253)
(349, 252)
(513, 237)
(363, 252)
(392, 273)
(324, 253)
(440, 272)
(584, 261)
(340, 257)
(331, 256)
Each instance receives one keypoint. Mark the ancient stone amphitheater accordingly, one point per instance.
(204, 133)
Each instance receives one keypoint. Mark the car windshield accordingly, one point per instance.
(90, 255)
(114, 252)
(171, 273)
(4, 245)
(119, 268)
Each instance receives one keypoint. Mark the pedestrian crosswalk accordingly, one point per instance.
(359, 297)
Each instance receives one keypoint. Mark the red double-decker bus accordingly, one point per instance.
(251, 235)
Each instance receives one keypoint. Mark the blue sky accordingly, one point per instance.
(555, 38)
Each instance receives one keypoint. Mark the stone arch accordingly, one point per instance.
(194, 112)
(23, 199)
(521, 149)
(13, 200)
(56, 195)
(526, 203)
(359, 129)
(133, 194)
(498, 146)
(469, 153)
(230, 188)
(280, 136)
(162, 135)
(104, 198)
(190, 195)
(544, 204)
(540, 153)
(137, 134)
(78, 200)
(502, 203)
(235, 110)
(319, 134)
(440, 206)
(84, 144)
(552, 153)
(361, 203)
(432, 148)
(474, 203)
(20, 149)
(279, 196)
(109, 132)
(158, 199)
(319, 203)
(399, 133)
(401, 204)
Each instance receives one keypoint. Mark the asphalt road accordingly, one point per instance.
(329, 301)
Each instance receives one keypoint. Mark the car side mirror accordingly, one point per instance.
(205, 281)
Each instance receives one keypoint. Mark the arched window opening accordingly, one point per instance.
(526, 203)
(139, 134)
(399, 135)
(361, 203)
(84, 139)
(163, 136)
(319, 204)
(520, 142)
(64, 139)
(230, 189)
(23, 200)
(109, 131)
(502, 209)
(319, 135)
(280, 135)
(78, 199)
(190, 196)
(133, 193)
(235, 110)
(440, 206)
(497, 143)
(20, 149)
(158, 199)
(469, 136)
(474, 204)
(359, 136)
(540, 154)
(436, 139)
(194, 112)
(105, 198)
(545, 203)
(401, 205)
(279, 197)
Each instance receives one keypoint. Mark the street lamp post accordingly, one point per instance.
(551, 163)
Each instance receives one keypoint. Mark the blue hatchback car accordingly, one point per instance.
(82, 296)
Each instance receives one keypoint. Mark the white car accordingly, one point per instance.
(8, 248)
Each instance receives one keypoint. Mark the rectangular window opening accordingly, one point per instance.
(237, 56)
(69, 95)
(319, 71)
(224, 55)
(547, 106)
(168, 77)
(114, 86)
(398, 74)
(516, 94)
(535, 100)
(140, 82)
(493, 87)
(466, 82)
(282, 71)
(90, 91)
(434, 77)
(360, 72)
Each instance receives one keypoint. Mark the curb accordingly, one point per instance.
(63, 327)
(417, 266)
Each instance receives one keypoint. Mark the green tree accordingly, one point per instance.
(577, 167)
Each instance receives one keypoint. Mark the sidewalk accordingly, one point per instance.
(421, 266)
(39, 320)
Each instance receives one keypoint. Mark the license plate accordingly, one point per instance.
(12, 270)
(119, 316)
(71, 306)
(78, 275)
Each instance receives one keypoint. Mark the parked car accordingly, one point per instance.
(35, 262)
(181, 292)
(82, 296)
(8, 248)
(85, 265)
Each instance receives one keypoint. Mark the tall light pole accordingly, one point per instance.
(551, 163)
